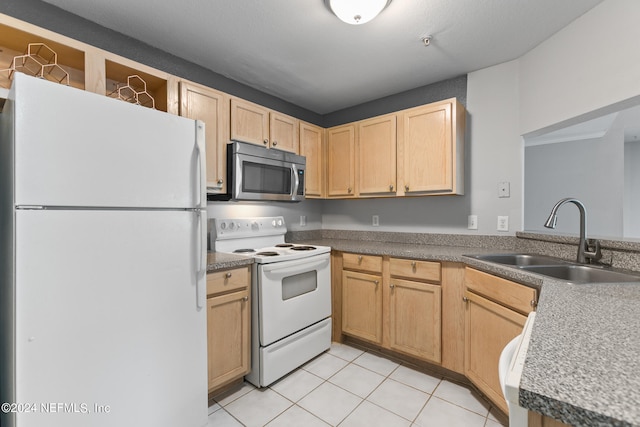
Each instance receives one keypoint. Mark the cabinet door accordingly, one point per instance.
(249, 122)
(202, 103)
(228, 337)
(311, 146)
(414, 322)
(377, 156)
(427, 148)
(284, 132)
(341, 161)
(362, 305)
(488, 328)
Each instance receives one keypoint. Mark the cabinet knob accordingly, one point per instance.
(275, 143)
(533, 303)
(245, 299)
(391, 187)
(228, 275)
(359, 258)
(413, 265)
(375, 282)
(465, 299)
(220, 181)
(391, 285)
(406, 188)
(266, 142)
(349, 190)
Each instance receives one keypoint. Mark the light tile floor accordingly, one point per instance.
(353, 388)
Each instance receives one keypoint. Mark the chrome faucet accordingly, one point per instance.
(585, 254)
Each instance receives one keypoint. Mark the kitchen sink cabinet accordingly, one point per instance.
(376, 156)
(430, 149)
(212, 107)
(312, 147)
(362, 297)
(341, 161)
(256, 124)
(496, 310)
(228, 326)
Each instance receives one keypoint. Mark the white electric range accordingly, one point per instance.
(290, 291)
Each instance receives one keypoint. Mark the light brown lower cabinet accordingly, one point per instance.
(228, 326)
(362, 305)
(414, 319)
(393, 303)
(496, 310)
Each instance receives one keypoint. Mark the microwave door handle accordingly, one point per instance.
(296, 181)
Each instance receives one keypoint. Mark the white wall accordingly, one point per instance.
(496, 149)
(592, 63)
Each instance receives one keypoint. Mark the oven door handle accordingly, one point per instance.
(288, 268)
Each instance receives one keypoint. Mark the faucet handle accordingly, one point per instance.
(593, 255)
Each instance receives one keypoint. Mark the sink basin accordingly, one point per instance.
(575, 273)
(521, 259)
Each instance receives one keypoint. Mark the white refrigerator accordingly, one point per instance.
(103, 228)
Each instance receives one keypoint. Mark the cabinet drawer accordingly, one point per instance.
(415, 270)
(362, 262)
(228, 280)
(518, 297)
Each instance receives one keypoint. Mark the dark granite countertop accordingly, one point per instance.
(221, 261)
(583, 363)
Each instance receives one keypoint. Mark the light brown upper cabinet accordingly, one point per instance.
(430, 149)
(376, 159)
(341, 141)
(312, 147)
(84, 66)
(212, 107)
(258, 125)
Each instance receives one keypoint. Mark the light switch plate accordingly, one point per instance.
(472, 222)
(504, 189)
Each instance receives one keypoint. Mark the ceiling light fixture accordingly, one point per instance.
(356, 12)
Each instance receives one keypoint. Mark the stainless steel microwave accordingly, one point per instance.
(258, 173)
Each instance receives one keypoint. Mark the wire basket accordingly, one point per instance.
(38, 61)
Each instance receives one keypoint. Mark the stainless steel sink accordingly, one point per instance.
(521, 259)
(564, 270)
(576, 273)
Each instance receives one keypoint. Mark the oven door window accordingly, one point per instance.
(263, 178)
(299, 284)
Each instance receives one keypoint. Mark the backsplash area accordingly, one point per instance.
(619, 254)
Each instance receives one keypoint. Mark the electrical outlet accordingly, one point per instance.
(472, 222)
(503, 223)
(303, 220)
(375, 220)
(504, 190)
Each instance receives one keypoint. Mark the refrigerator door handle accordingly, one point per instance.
(201, 273)
(202, 177)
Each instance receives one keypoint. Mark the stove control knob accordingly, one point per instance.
(223, 225)
(255, 226)
(273, 223)
(279, 223)
(232, 225)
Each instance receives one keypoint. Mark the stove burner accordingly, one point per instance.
(284, 245)
(268, 253)
(303, 248)
(243, 251)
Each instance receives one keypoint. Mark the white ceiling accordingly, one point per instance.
(299, 51)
